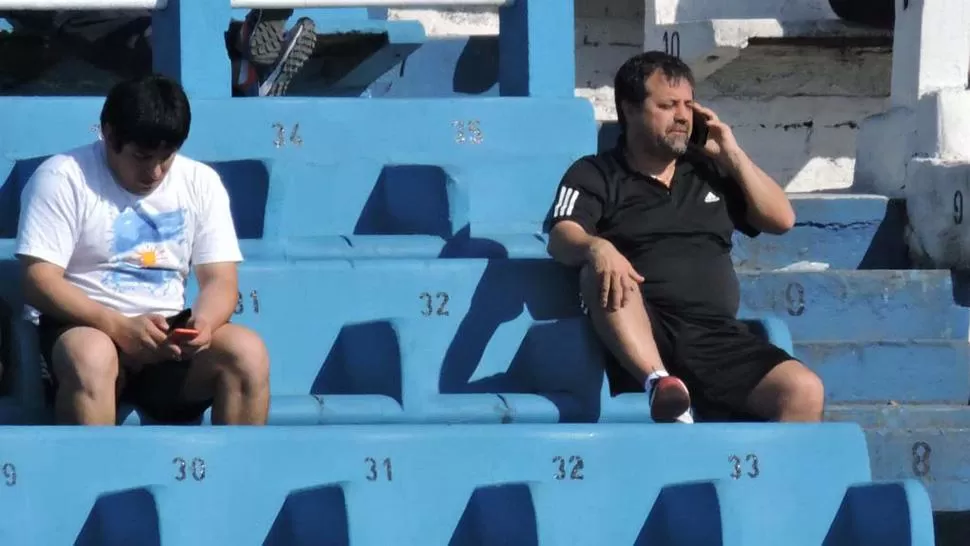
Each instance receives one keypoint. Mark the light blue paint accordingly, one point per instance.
(456, 485)
(345, 207)
(844, 305)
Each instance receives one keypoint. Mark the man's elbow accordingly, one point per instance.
(786, 221)
(780, 223)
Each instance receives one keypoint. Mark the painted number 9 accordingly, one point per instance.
(958, 208)
(9, 471)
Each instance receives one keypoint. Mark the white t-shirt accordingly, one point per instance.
(128, 252)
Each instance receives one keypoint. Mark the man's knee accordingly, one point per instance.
(241, 354)
(85, 358)
(801, 393)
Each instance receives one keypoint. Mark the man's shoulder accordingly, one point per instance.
(193, 169)
(599, 166)
(195, 176)
(73, 164)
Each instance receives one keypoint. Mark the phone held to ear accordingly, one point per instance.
(699, 131)
(177, 326)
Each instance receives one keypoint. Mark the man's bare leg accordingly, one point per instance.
(234, 372)
(790, 392)
(628, 335)
(85, 362)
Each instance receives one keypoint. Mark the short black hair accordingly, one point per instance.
(630, 84)
(151, 112)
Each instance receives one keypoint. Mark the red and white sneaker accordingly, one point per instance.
(669, 400)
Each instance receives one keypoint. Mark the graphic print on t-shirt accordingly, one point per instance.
(146, 250)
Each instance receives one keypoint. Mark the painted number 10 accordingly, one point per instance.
(672, 43)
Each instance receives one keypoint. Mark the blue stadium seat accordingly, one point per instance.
(489, 341)
(738, 484)
(427, 186)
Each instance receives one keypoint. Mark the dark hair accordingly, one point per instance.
(151, 112)
(630, 84)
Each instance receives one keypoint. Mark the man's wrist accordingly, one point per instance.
(109, 321)
(594, 247)
(732, 160)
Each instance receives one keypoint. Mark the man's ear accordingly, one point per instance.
(107, 133)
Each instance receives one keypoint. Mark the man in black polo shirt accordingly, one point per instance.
(650, 225)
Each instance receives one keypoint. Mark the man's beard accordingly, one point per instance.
(671, 145)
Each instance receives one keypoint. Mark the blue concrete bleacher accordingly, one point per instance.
(472, 485)
(396, 269)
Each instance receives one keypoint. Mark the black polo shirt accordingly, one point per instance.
(678, 239)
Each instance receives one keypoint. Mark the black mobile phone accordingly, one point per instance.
(699, 131)
(180, 320)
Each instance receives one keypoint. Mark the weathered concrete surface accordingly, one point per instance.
(832, 231)
(937, 193)
(859, 305)
(903, 371)
(929, 443)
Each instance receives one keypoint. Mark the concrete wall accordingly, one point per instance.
(795, 108)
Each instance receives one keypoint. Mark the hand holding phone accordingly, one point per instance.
(178, 330)
(699, 131)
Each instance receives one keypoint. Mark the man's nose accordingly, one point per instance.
(682, 114)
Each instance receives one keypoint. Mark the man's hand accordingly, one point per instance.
(720, 138)
(617, 279)
(200, 342)
(142, 339)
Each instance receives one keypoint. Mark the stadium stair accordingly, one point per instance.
(395, 267)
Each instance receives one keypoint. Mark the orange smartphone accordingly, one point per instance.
(183, 334)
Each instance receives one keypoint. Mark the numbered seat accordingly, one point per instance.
(493, 341)
(462, 484)
(448, 178)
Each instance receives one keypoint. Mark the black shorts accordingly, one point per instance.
(157, 390)
(720, 359)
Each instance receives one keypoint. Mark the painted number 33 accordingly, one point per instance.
(744, 466)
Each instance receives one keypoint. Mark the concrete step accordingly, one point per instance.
(898, 371)
(930, 443)
(709, 35)
(832, 231)
(858, 305)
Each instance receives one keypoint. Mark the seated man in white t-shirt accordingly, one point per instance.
(107, 235)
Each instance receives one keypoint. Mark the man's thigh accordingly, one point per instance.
(722, 362)
(235, 350)
(158, 390)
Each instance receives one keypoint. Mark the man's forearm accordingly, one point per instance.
(53, 295)
(216, 302)
(571, 245)
(768, 206)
